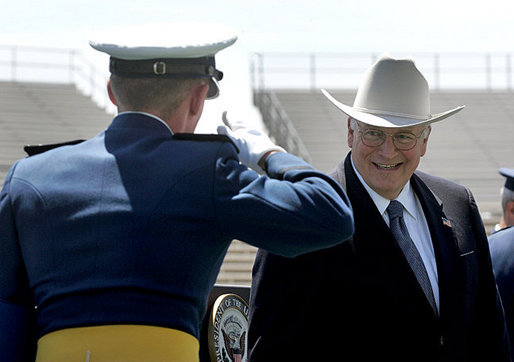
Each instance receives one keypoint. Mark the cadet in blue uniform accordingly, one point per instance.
(109, 248)
(501, 244)
(507, 199)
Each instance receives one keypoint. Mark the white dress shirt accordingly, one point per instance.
(416, 223)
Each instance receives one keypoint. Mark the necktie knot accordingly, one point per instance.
(395, 209)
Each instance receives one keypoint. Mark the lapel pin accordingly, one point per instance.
(446, 222)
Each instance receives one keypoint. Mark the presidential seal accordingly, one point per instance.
(228, 328)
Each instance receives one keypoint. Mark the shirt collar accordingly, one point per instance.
(149, 115)
(406, 196)
(408, 200)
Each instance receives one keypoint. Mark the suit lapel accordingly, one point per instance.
(446, 252)
(374, 239)
(379, 254)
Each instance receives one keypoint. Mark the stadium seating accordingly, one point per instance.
(467, 148)
(40, 113)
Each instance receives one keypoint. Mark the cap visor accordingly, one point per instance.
(214, 89)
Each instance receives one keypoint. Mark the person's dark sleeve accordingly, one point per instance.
(15, 301)
(489, 337)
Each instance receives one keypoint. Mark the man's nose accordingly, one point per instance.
(388, 147)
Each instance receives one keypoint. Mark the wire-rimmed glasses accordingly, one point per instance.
(373, 137)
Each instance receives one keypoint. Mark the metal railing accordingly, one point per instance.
(489, 71)
(279, 125)
(54, 65)
(312, 71)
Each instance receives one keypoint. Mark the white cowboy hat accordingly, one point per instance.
(393, 93)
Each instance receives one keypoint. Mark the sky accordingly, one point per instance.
(399, 27)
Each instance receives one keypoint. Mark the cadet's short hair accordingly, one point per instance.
(164, 95)
(507, 196)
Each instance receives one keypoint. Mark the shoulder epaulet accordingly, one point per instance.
(499, 231)
(32, 150)
(506, 228)
(204, 138)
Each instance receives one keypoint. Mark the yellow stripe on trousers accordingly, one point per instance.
(125, 343)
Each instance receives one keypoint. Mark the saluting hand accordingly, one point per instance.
(254, 146)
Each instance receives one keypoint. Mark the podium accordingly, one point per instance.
(225, 326)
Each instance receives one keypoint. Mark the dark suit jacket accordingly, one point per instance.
(360, 301)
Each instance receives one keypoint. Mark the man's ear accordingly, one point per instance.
(509, 214)
(110, 92)
(198, 96)
(351, 134)
(425, 141)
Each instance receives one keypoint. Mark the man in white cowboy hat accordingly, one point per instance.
(118, 240)
(415, 283)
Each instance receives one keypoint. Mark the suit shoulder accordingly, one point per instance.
(452, 194)
(199, 137)
(437, 181)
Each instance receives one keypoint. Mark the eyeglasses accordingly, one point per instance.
(403, 141)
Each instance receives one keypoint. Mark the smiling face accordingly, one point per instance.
(385, 168)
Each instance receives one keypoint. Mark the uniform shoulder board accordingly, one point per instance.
(499, 231)
(506, 228)
(32, 150)
(204, 138)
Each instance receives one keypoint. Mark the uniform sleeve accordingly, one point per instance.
(494, 344)
(15, 300)
(293, 210)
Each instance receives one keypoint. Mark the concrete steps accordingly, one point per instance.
(237, 266)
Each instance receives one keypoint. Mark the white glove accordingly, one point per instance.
(252, 144)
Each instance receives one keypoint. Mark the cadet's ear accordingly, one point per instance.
(198, 96)
(111, 94)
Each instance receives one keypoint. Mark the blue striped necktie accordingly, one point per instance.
(401, 234)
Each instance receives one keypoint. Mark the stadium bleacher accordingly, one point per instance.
(467, 148)
(41, 113)
(44, 113)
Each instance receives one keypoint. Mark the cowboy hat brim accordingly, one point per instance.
(384, 120)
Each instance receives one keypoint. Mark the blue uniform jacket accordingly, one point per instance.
(132, 226)
(502, 255)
